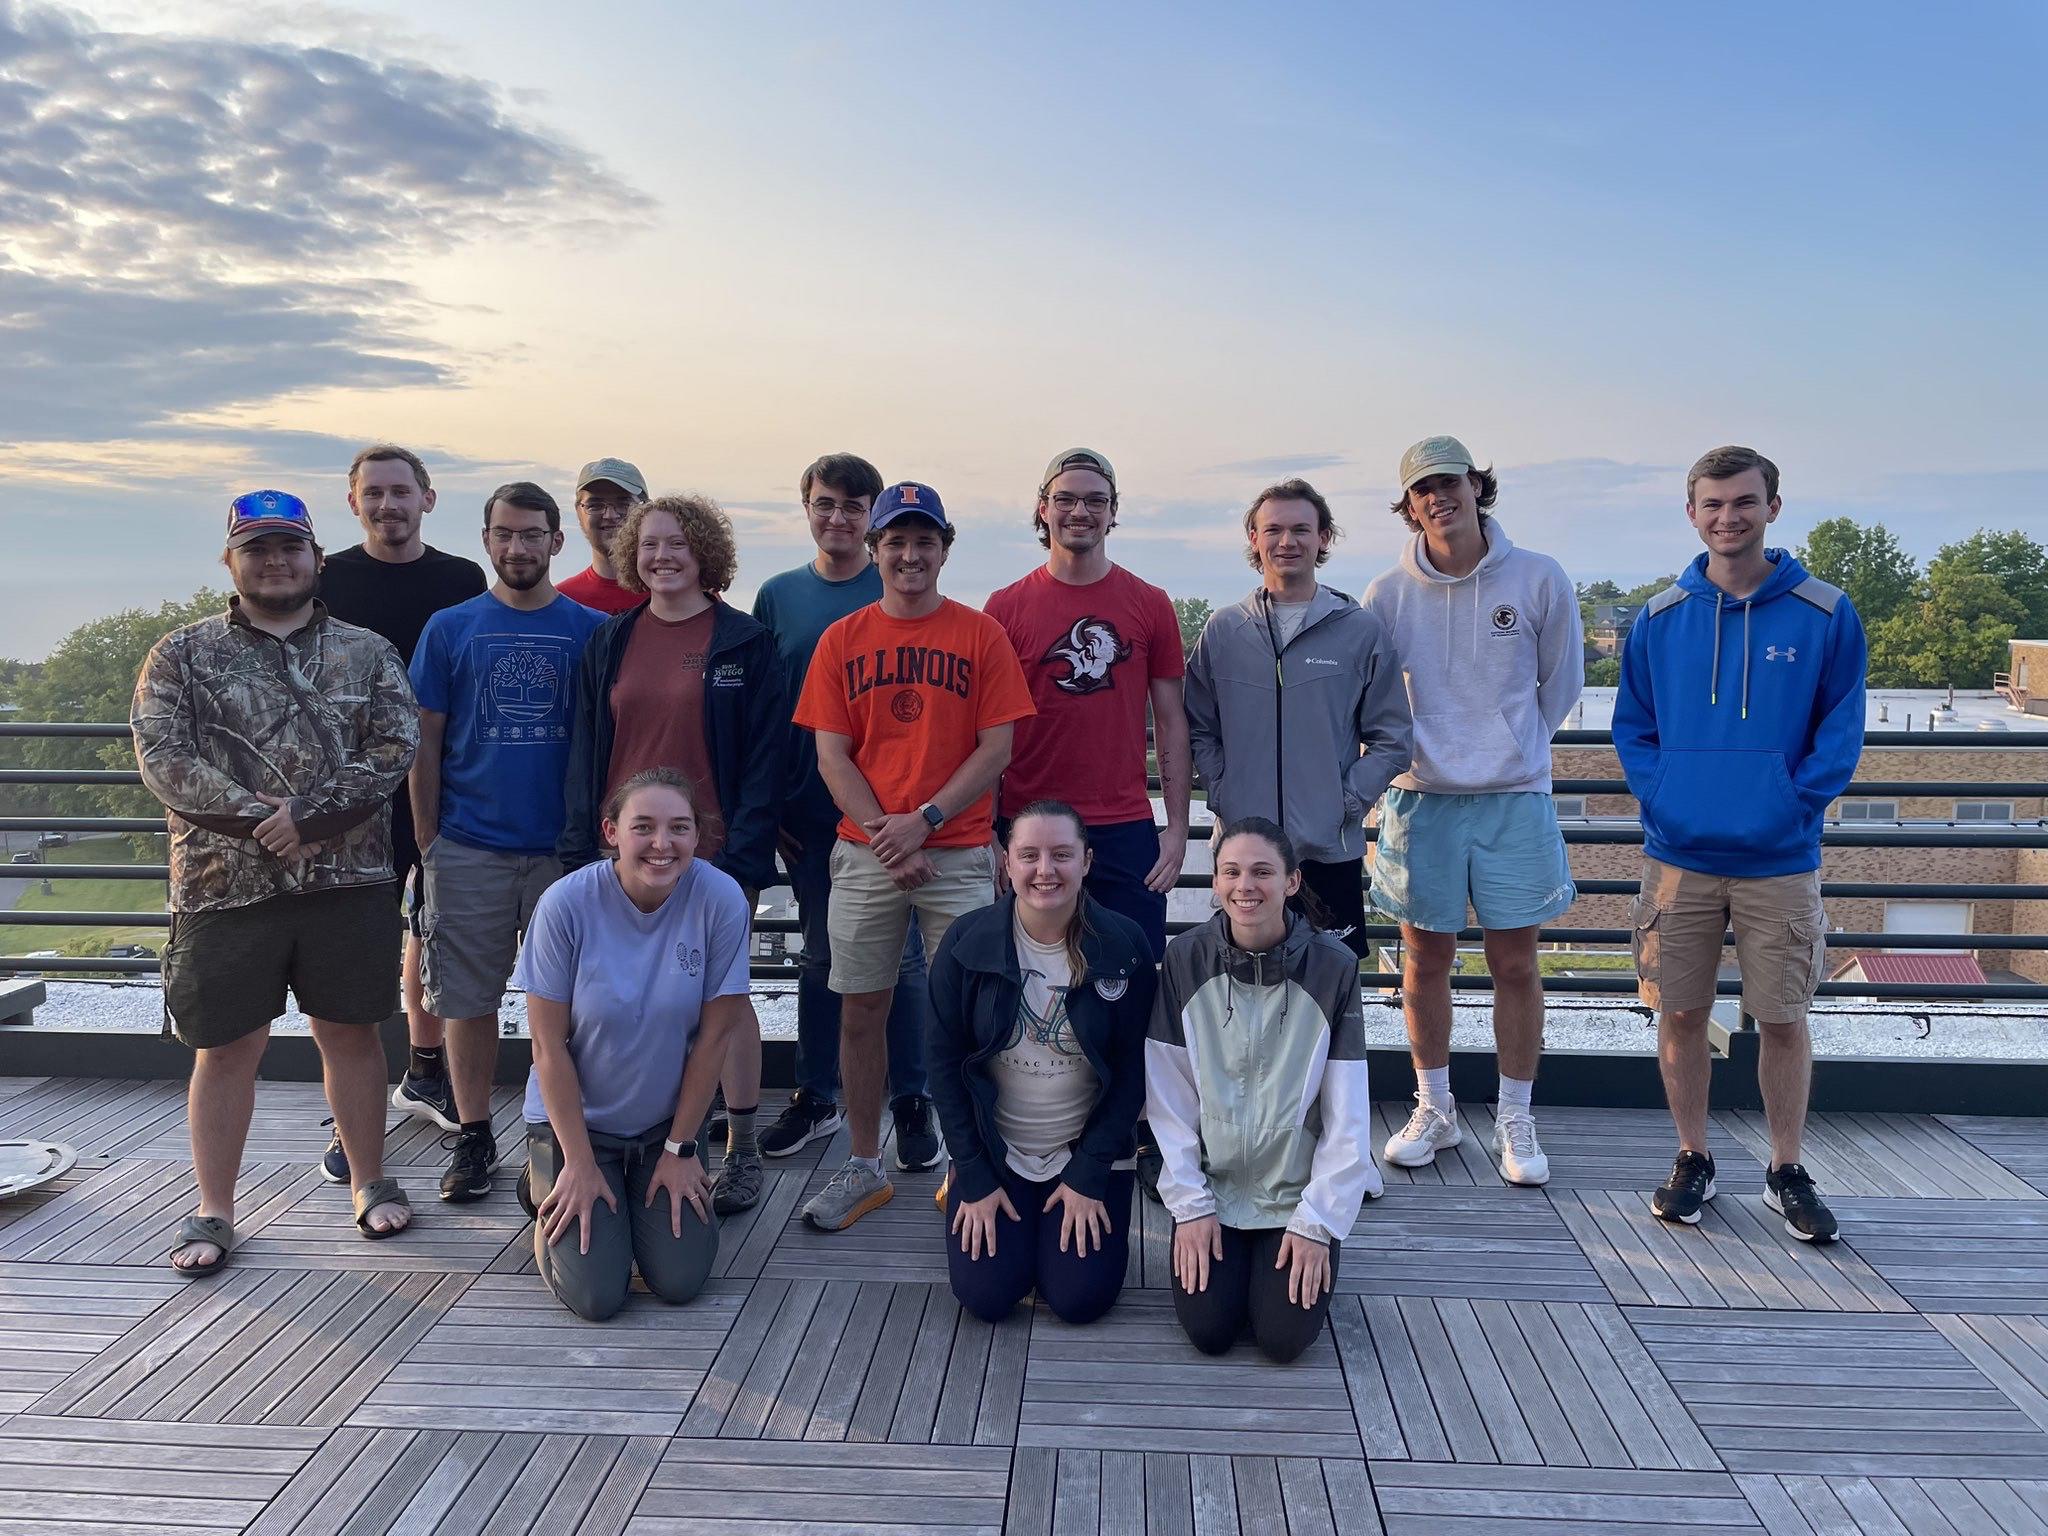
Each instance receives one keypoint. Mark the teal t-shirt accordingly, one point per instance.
(636, 984)
(798, 607)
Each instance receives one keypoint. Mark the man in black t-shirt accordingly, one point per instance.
(393, 583)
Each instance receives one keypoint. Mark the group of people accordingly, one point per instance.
(589, 784)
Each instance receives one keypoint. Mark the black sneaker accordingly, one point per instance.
(469, 1172)
(807, 1119)
(1789, 1191)
(917, 1132)
(431, 1098)
(1150, 1166)
(1690, 1187)
(334, 1161)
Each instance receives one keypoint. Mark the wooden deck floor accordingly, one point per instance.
(1547, 1361)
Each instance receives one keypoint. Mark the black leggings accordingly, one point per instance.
(1028, 1257)
(1245, 1288)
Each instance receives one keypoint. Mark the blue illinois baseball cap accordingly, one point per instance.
(907, 499)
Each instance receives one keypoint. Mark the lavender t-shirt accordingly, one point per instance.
(636, 984)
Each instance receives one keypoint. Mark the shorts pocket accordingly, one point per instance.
(1647, 940)
(1809, 949)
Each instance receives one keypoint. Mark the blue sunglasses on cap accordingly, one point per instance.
(261, 512)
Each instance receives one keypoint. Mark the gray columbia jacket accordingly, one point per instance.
(1255, 1082)
(1310, 734)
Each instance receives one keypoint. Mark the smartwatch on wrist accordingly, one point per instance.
(680, 1148)
(933, 816)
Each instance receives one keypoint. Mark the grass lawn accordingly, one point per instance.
(84, 896)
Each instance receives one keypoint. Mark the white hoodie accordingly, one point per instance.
(1494, 662)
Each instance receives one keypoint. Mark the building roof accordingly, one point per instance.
(1977, 710)
(1918, 968)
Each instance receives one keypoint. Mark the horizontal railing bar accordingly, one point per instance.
(20, 919)
(81, 824)
(83, 872)
(1841, 888)
(1896, 788)
(69, 776)
(54, 728)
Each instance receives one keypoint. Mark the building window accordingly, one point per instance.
(1570, 807)
(1983, 810)
(1867, 810)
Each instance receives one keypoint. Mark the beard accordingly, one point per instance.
(280, 603)
(522, 578)
(394, 533)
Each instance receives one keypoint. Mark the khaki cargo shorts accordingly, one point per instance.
(869, 919)
(1681, 920)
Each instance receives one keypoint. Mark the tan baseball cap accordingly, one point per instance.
(1076, 458)
(625, 476)
(1434, 456)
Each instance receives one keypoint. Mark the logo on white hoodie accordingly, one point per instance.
(1505, 618)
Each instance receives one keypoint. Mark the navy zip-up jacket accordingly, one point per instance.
(977, 989)
(1739, 719)
(745, 721)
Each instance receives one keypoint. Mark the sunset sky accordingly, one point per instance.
(1220, 245)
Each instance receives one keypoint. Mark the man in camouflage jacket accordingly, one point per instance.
(275, 735)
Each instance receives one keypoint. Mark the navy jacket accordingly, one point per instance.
(1739, 718)
(976, 992)
(745, 720)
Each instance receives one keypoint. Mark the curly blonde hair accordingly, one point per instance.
(705, 526)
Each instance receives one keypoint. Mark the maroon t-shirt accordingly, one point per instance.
(658, 713)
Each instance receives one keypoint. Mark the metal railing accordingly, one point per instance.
(2006, 836)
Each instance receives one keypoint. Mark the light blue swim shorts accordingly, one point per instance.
(1502, 853)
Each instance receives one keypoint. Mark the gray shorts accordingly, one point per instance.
(475, 907)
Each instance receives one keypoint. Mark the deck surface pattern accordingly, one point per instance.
(1498, 1359)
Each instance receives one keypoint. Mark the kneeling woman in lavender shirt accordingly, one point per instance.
(635, 972)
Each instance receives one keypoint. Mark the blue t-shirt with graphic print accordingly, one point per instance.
(506, 680)
(636, 984)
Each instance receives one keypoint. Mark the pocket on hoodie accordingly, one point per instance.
(1466, 751)
(1725, 802)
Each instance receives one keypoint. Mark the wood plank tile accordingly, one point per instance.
(2021, 1146)
(55, 1318)
(1608, 1148)
(725, 1485)
(1908, 1156)
(1477, 1242)
(2012, 1353)
(903, 1241)
(1748, 1380)
(1133, 1382)
(1460, 1499)
(61, 1475)
(1953, 1255)
(506, 1356)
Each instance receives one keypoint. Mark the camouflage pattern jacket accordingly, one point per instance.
(324, 718)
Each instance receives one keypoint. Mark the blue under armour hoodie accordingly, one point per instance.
(1739, 719)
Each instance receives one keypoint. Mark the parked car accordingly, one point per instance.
(53, 839)
(27, 856)
(130, 952)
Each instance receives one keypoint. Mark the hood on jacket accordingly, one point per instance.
(1786, 574)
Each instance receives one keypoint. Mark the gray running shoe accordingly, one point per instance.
(738, 1185)
(847, 1196)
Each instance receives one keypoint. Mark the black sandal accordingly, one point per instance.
(196, 1229)
(381, 1192)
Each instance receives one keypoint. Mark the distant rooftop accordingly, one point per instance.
(1885, 709)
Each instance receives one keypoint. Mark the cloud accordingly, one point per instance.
(199, 224)
(1277, 464)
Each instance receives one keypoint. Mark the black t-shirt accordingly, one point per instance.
(396, 600)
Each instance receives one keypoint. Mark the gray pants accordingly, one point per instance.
(594, 1284)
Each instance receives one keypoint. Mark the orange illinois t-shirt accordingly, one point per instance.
(913, 694)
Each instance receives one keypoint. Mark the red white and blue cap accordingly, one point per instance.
(252, 516)
(908, 499)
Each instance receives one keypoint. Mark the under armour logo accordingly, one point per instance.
(1781, 653)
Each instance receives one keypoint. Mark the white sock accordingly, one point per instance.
(1435, 1083)
(1514, 1093)
(872, 1164)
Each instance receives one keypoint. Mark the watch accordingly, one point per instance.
(680, 1148)
(933, 816)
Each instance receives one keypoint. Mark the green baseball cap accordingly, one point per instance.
(626, 477)
(1076, 458)
(1434, 456)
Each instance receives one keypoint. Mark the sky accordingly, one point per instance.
(1220, 245)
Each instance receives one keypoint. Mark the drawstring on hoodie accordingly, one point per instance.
(1714, 676)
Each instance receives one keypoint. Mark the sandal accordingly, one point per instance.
(373, 1194)
(196, 1229)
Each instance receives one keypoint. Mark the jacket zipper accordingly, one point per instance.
(1279, 717)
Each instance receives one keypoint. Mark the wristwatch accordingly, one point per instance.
(933, 816)
(680, 1148)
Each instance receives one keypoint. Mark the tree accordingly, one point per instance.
(1193, 613)
(1867, 563)
(1955, 636)
(2013, 561)
(90, 676)
(1603, 672)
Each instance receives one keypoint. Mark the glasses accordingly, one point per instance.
(597, 508)
(1062, 502)
(828, 510)
(268, 507)
(532, 538)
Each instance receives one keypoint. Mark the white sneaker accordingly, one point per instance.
(1428, 1131)
(1517, 1151)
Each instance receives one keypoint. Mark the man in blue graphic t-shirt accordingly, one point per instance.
(496, 679)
